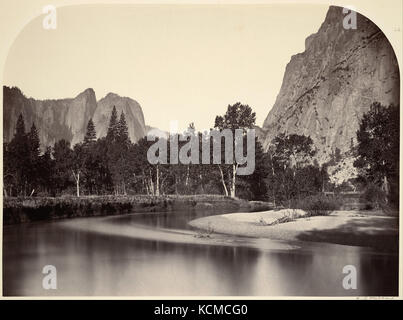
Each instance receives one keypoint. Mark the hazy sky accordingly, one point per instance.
(180, 62)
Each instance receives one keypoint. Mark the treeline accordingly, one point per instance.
(377, 155)
(114, 165)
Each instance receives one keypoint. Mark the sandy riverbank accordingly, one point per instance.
(356, 228)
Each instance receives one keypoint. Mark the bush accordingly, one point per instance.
(318, 205)
(374, 197)
(19, 210)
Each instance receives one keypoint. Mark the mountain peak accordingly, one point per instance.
(130, 107)
(68, 118)
(112, 95)
(327, 89)
(87, 93)
(89, 90)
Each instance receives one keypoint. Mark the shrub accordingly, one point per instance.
(318, 205)
(374, 197)
(285, 218)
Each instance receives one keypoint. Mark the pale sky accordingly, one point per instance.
(180, 62)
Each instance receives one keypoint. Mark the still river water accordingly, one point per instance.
(159, 254)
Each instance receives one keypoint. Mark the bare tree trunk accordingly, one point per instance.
(151, 184)
(146, 183)
(78, 184)
(385, 187)
(77, 178)
(201, 182)
(187, 176)
(223, 181)
(157, 191)
(162, 184)
(124, 188)
(233, 180)
(274, 177)
(149, 191)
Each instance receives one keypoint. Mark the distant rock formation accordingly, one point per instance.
(68, 118)
(132, 110)
(327, 88)
(155, 132)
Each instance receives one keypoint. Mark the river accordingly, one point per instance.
(158, 254)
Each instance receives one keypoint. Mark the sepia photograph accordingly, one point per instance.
(189, 149)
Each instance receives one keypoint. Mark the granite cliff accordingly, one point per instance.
(327, 88)
(132, 110)
(68, 118)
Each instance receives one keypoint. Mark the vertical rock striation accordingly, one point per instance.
(68, 118)
(132, 110)
(327, 88)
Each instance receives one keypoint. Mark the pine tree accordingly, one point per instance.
(19, 157)
(113, 126)
(33, 170)
(91, 134)
(34, 143)
(20, 128)
(123, 131)
(118, 156)
(46, 167)
(62, 154)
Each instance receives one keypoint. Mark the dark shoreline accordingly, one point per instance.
(31, 209)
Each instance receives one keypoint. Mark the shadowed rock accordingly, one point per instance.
(327, 88)
(67, 118)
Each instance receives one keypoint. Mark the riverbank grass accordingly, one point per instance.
(28, 209)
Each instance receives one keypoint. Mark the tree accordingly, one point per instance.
(118, 144)
(238, 116)
(378, 147)
(63, 159)
(293, 172)
(18, 158)
(91, 134)
(255, 185)
(293, 151)
(113, 126)
(20, 128)
(91, 165)
(77, 165)
(123, 131)
(34, 143)
(34, 170)
(46, 167)
(102, 180)
(146, 173)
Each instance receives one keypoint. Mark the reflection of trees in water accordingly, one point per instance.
(90, 263)
(284, 273)
(379, 275)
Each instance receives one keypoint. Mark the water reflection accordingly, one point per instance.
(91, 263)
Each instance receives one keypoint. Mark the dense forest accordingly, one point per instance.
(115, 165)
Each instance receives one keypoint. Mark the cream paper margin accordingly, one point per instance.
(16, 14)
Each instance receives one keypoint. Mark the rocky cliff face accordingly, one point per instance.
(68, 118)
(132, 110)
(327, 88)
